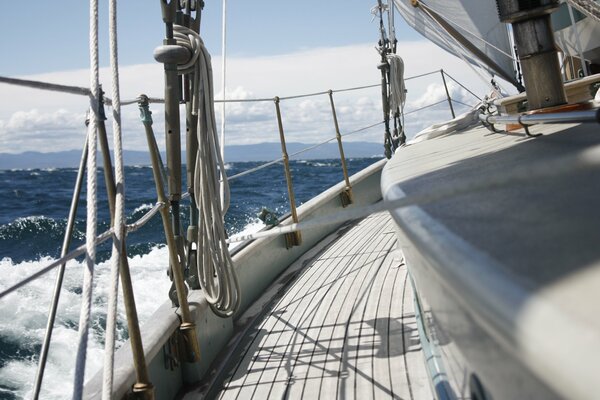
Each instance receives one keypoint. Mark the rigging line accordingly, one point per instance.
(586, 160)
(424, 107)
(461, 85)
(298, 96)
(270, 99)
(88, 272)
(249, 171)
(82, 91)
(461, 103)
(422, 75)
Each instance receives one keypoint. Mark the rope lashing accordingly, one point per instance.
(215, 266)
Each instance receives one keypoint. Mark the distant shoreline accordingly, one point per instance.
(237, 153)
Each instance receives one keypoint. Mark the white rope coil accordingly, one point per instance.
(397, 86)
(215, 266)
(88, 272)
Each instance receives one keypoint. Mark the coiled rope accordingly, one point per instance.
(397, 86)
(90, 239)
(215, 266)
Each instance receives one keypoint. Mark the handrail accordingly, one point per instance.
(548, 118)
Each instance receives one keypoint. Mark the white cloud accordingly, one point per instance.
(34, 120)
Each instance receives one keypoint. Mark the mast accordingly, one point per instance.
(536, 48)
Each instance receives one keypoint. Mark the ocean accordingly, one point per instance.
(35, 205)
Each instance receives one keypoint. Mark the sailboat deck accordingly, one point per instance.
(345, 327)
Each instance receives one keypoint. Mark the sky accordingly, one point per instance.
(273, 48)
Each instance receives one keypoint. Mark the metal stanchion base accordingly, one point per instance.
(190, 346)
(143, 391)
(346, 197)
(293, 239)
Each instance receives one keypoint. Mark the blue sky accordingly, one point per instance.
(46, 36)
(274, 48)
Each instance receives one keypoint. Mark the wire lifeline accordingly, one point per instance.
(77, 90)
(424, 107)
(88, 272)
(280, 159)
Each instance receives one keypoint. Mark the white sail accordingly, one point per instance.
(471, 27)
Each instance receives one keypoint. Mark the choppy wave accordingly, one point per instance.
(23, 317)
(142, 208)
(36, 225)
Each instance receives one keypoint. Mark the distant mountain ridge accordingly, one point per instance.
(236, 153)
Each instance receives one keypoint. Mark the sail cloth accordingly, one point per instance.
(475, 24)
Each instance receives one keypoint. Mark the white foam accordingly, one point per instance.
(23, 317)
(143, 207)
(253, 226)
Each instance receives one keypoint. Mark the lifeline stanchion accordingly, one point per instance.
(293, 238)
(346, 195)
(187, 326)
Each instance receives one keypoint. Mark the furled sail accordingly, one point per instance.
(468, 27)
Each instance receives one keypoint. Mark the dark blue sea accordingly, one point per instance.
(35, 204)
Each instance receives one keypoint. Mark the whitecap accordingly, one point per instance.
(143, 207)
(23, 317)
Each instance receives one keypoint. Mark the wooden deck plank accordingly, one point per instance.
(311, 354)
(336, 385)
(345, 328)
